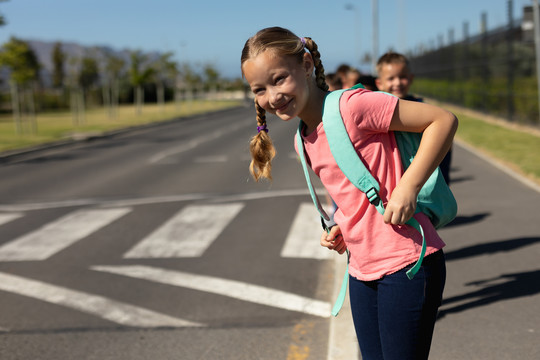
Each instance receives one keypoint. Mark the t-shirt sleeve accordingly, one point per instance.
(371, 111)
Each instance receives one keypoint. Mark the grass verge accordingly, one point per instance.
(517, 147)
(57, 126)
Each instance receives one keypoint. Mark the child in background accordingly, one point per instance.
(369, 82)
(394, 317)
(395, 77)
(334, 82)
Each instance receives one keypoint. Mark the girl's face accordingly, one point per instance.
(280, 83)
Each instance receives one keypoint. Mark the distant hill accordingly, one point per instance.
(74, 52)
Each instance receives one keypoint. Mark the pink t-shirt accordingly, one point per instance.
(377, 249)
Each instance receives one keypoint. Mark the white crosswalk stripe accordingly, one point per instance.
(187, 234)
(7, 217)
(115, 311)
(303, 240)
(58, 235)
(231, 288)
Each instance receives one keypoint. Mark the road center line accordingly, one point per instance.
(214, 197)
(193, 143)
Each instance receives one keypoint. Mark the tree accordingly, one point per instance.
(114, 71)
(22, 61)
(58, 60)
(211, 77)
(166, 69)
(89, 74)
(139, 75)
(190, 79)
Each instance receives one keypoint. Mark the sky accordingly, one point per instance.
(214, 31)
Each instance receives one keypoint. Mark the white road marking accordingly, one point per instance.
(187, 234)
(5, 218)
(211, 159)
(303, 240)
(115, 311)
(56, 236)
(231, 288)
(193, 143)
(158, 200)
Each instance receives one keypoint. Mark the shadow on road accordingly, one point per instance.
(491, 248)
(463, 220)
(504, 287)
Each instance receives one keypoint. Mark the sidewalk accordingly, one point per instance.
(491, 307)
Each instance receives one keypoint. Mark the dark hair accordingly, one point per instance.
(333, 80)
(368, 81)
(392, 58)
(282, 42)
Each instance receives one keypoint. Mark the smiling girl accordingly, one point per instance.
(393, 316)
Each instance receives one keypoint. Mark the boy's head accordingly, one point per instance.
(394, 75)
(333, 81)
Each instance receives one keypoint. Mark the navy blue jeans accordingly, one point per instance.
(394, 317)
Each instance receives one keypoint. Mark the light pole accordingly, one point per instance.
(352, 7)
(375, 21)
(536, 17)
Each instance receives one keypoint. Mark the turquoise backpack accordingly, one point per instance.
(435, 198)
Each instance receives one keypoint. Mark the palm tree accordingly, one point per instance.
(139, 75)
(166, 70)
(17, 55)
(58, 58)
(211, 78)
(114, 70)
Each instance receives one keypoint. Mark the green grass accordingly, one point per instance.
(57, 126)
(518, 149)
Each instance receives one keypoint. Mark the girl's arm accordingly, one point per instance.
(438, 127)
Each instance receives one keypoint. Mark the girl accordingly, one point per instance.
(393, 316)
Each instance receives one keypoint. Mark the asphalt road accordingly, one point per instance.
(156, 244)
(176, 253)
(491, 306)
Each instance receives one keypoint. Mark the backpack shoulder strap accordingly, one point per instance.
(302, 154)
(352, 166)
(344, 152)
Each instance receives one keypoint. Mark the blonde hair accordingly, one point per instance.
(283, 43)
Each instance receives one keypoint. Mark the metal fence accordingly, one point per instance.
(494, 71)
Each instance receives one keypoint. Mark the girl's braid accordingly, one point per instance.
(319, 69)
(261, 148)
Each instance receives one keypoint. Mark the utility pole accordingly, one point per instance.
(510, 59)
(536, 16)
(375, 17)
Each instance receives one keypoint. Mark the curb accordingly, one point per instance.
(342, 344)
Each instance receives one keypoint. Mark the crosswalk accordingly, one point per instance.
(188, 233)
(56, 236)
(175, 238)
